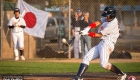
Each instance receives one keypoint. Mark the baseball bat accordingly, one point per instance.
(7, 32)
(67, 43)
(71, 40)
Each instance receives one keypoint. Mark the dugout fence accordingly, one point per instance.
(127, 46)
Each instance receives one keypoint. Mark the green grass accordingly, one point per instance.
(12, 67)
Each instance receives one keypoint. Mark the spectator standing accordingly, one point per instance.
(75, 32)
(85, 39)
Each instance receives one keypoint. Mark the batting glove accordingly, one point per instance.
(87, 29)
(84, 32)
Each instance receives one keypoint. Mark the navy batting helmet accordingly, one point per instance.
(16, 10)
(109, 11)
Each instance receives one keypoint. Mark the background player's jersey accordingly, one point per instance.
(19, 21)
(109, 30)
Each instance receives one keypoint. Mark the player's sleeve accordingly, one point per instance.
(23, 25)
(10, 24)
(107, 30)
(103, 20)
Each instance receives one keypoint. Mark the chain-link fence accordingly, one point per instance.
(58, 27)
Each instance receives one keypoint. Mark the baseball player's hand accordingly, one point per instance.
(25, 9)
(14, 24)
(18, 24)
(84, 32)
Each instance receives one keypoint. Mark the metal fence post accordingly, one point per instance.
(1, 22)
(69, 55)
(59, 30)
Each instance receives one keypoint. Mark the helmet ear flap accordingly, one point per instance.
(113, 15)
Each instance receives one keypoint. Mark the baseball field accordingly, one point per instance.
(64, 69)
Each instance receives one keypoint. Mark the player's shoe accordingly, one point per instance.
(122, 77)
(77, 78)
(16, 58)
(22, 57)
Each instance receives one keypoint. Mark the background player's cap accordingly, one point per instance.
(16, 10)
(79, 10)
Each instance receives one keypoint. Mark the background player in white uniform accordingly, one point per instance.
(17, 24)
(108, 32)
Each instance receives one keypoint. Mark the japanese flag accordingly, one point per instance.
(36, 20)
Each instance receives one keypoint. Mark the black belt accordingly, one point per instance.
(110, 41)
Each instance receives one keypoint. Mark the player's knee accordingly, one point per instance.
(21, 48)
(85, 61)
(106, 66)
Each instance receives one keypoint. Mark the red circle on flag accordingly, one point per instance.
(30, 19)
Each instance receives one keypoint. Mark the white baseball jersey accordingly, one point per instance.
(110, 32)
(16, 22)
(17, 32)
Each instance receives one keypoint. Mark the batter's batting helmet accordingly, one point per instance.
(16, 10)
(109, 11)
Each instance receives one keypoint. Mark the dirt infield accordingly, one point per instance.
(87, 76)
